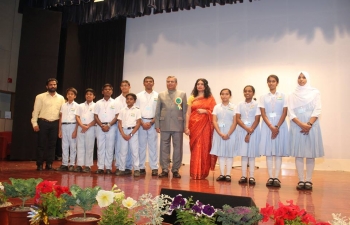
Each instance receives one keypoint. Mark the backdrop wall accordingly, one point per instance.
(235, 45)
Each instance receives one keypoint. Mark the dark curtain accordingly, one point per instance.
(87, 11)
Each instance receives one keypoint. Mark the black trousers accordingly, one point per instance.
(47, 137)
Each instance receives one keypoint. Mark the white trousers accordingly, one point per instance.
(105, 147)
(117, 145)
(148, 138)
(69, 145)
(85, 146)
(133, 145)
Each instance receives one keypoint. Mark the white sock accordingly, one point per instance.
(222, 162)
(251, 166)
(229, 163)
(244, 164)
(310, 165)
(278, 165)
(269, 164)
(299, 163)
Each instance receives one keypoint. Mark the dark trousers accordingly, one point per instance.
(47, 137)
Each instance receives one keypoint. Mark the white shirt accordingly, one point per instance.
(105, 110)
(120, 103)
(68, 112)
(86, 112)
(147, 103)
(129, 116)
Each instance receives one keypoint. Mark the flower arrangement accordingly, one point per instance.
(239, 215)
(49, 202)
(339, 220)
(153, 208)
(289, 214)
(23, 189)
(3, 197)
(83, 198)
(188, 212)
(117, 209)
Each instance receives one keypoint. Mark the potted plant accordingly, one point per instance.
(84, 199)
(239, 215)
(188, 212)
(118, 210)
(51, 207)
(23, 189)
(3, 205)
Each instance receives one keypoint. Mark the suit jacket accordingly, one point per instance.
(168, 116)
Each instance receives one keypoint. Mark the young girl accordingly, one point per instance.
(274, 131)
(248, 133)
(224, 137)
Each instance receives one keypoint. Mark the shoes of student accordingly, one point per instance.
(308, 185)
(243, 180)
(127, 172)
(270, 182)
(71, 168)
(62, 168)
(86, 169)
(120, 173)
(78, 169)
(251, 181)
(301, 185)
(155, 172)
(142, 172)
(99, 171)
(228, 178)
(163, 174)
(136, 173)
(176, 174)
(276, 183)
(221, 178)
(108, 171)
(39, 167)
(48, 166)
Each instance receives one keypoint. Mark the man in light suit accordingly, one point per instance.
(170, 120)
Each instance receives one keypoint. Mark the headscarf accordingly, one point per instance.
(303, 95)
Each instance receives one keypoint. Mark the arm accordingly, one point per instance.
(138, 124)
(157, 114)
(35, 113)
(273, 129)
(74, 134)
(188, 114)
(60, 126)
(184, 110)
(240, 122)
(216, 126)
(233, 127)
(83, 127)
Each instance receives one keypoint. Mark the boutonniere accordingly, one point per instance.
(178, 101)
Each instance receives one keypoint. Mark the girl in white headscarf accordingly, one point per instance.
(304, 108)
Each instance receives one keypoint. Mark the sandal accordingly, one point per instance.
(269, 182)
(221, 178)
(308, 185)
(243, 180)
(251, 181)
(301, 185)
(228, 178)
(276, 182)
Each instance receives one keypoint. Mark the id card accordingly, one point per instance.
(247, 123)
(301, 110)
(148, 108)
(272, 115)
(221, 125)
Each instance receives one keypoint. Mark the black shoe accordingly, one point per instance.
(62, 168)
(228, 178)
(243, 180)
(120, 173)
(269, 182)
(39, 167)
(70, 168)
(78, 169)
(221, 178)
(251, 181)
(301, 185)
(142, 172)
(127, 172)
(276, 182)
(155, 172)
(308, 185)
(48, 166)
(86, 169)
(163, 174)
(108, 171)
(176, 175)
(99, 171)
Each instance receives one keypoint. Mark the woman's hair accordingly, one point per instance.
(207, 91)
(273, 76)
(253, 89)
(226, 89)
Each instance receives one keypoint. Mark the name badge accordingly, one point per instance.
(247, 123)
(301, 110)
(272, 115)
(148, 108)
(221, 125)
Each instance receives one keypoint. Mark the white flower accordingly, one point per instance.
(119, 195)
(104, 198)
(129, 203)
(1, 187)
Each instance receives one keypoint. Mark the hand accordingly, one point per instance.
(146, 125)
(74, 134)
(274, 131)
(201, 111)
(187, 131)
(84, 128)
(105, 128)
(225, 137)
(126, 137)
(305, 128)
(36, 129)
(158, 130)
(60, 134)
(247, 138)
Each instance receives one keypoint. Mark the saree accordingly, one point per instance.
(201, 134)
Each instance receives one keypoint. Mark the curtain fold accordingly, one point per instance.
(87, 11)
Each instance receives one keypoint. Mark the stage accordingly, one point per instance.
(330, 188)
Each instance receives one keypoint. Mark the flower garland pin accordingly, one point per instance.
(178, 101)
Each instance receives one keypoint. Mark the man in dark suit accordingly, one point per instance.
(170, 120)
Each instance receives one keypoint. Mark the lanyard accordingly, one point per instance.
(273, 103)
(248, 108)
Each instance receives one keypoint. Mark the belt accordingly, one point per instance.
(88, 124)
(147, 118)
(128, 128)
(104, 123)
(48, 121)
(69, 123)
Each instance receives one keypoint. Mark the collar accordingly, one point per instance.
(109, 100)
(276, 94)
(48, 93)
(133, 107)
(70, 103)
(90, 103)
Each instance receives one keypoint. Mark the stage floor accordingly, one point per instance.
(330, 190)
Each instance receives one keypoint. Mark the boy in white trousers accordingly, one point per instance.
(86, 132)
(129, 121)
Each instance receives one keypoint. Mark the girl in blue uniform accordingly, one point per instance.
(248, 134)
(224, 136)
(274, 131)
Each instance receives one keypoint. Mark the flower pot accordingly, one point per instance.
(3, 216)
(55, 222)
(70, 220)
(16, 217)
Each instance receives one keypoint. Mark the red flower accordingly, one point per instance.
(59, 190)
(266, 212)
(43, 188)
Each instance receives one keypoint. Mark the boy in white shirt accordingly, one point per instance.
(129, 121)
(67, 130)
(86, 132)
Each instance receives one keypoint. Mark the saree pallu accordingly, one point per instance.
(201, 134)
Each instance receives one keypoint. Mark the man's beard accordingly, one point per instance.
(51, 90)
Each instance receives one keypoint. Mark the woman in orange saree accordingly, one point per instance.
(200, 128)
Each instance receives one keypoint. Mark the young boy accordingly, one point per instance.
(67, 130)
(86, 132)
(129, 121)
(105, 117)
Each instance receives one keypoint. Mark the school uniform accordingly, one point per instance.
(225, 118)
(106, 111)
(273, 105)
(120, 103)
(129, 117)
(86, 141)
(68, 124)
(147, 103)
